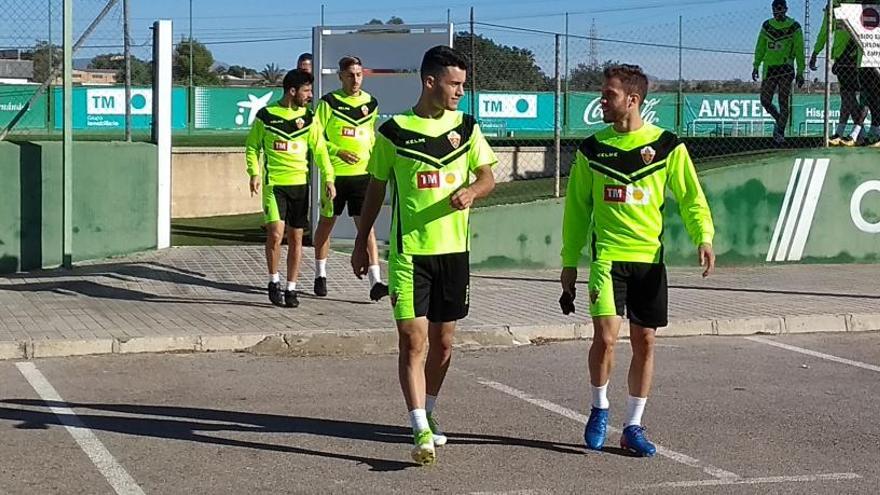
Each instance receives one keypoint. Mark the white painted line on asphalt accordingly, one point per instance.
(115, 474)
(755, 481)
(820, 355)
(515, 492)
(580, 418)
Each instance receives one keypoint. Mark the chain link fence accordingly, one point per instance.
(31, 71)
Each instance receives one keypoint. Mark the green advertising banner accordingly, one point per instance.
(584, 114)
(230, 108)
(102, 108)
(12, 100)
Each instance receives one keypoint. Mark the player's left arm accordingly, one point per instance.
(799, 55)
(692, 204)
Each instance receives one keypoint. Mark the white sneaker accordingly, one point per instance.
(439, 437)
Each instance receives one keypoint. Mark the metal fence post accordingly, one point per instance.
(557, 131)
(829, 12)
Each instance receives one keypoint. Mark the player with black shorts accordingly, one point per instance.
(348, 117)
(614, 203)
(277, 152)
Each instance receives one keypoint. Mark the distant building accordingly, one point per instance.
(19, 71)
(92, 77)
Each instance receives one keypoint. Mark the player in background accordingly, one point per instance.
(304, 62)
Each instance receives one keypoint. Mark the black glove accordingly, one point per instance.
(566, 302)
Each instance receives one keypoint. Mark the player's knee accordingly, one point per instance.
(604, 342)
(414, 346)
(643, 344)
(274, 237)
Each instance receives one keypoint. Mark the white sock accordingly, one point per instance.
(321, 268)
(430, 402)
(600, 397)
(275, 278)
(418, 418)
(635, 407)
(841, 128)
(291, 285)
(374, 275)
(855, 132)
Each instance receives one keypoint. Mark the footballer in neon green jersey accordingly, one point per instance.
(780, 44)
(348, 116)
(428, 155)
(614, 203)
(278, 145)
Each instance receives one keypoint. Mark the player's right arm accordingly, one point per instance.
(380, 168)
(760, 52)
(323, 112)
(253, 151)
(576, 220)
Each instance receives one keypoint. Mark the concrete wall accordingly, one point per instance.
(208, 182)
(115, 191)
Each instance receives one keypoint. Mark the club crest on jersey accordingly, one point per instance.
(300, 123)
(454, 139)
(648, 155)
(365, 110)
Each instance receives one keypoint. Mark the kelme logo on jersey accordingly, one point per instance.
(648, 155)
(349, 132)
(454, 139)
(630, 194)
(593, 113)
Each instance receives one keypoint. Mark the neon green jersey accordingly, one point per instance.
(428, 160)
(780, 43)
(843, 46)
(284, 136)
(349, 124)
(616, 194)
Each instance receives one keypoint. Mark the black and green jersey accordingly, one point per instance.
(349, 124)
(616, 195)
(843, 47)
(283, 137)
(428, 160)
(780, 43)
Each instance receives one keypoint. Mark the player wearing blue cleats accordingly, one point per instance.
(633, 440)
(597, 427)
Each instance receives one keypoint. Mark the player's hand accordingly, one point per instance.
(462, 199)
(813, 65)
(568, 278)
(330, 191)
(707, 258)
(755, 75)
(800, 81)
(360, 259)
(255, 185)
(348, 157)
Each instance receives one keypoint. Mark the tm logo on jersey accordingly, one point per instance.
(630, 195)
(436, 179)
(349, 132)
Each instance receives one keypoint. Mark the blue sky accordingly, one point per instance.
(233, 28)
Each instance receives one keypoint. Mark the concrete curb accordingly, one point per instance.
(384, 340)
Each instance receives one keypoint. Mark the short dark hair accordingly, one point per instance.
(438, 58)
(296, 79)
(304, 56)
(347, 61)
(631, 76)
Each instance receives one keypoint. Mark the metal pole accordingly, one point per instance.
(67, 146)
(51, 46)
(680, 102)
(557, 131)
(127, 53)
(567, 70)
(190, 44)
(473, 68)
(322, 14)
(829, 13)
(448, 16)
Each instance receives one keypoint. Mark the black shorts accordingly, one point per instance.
(778, 76)
(350, 191)
(640, 289)
(847, 76)
(435, 286)
(288, 204)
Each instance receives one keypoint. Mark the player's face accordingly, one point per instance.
(616, 102)
(448, 88)
(779, 13)
(352, 79)
(302, 96)
(305, 66)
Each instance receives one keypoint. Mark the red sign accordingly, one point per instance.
(870, 18)
(428, 180)
(615, 194)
